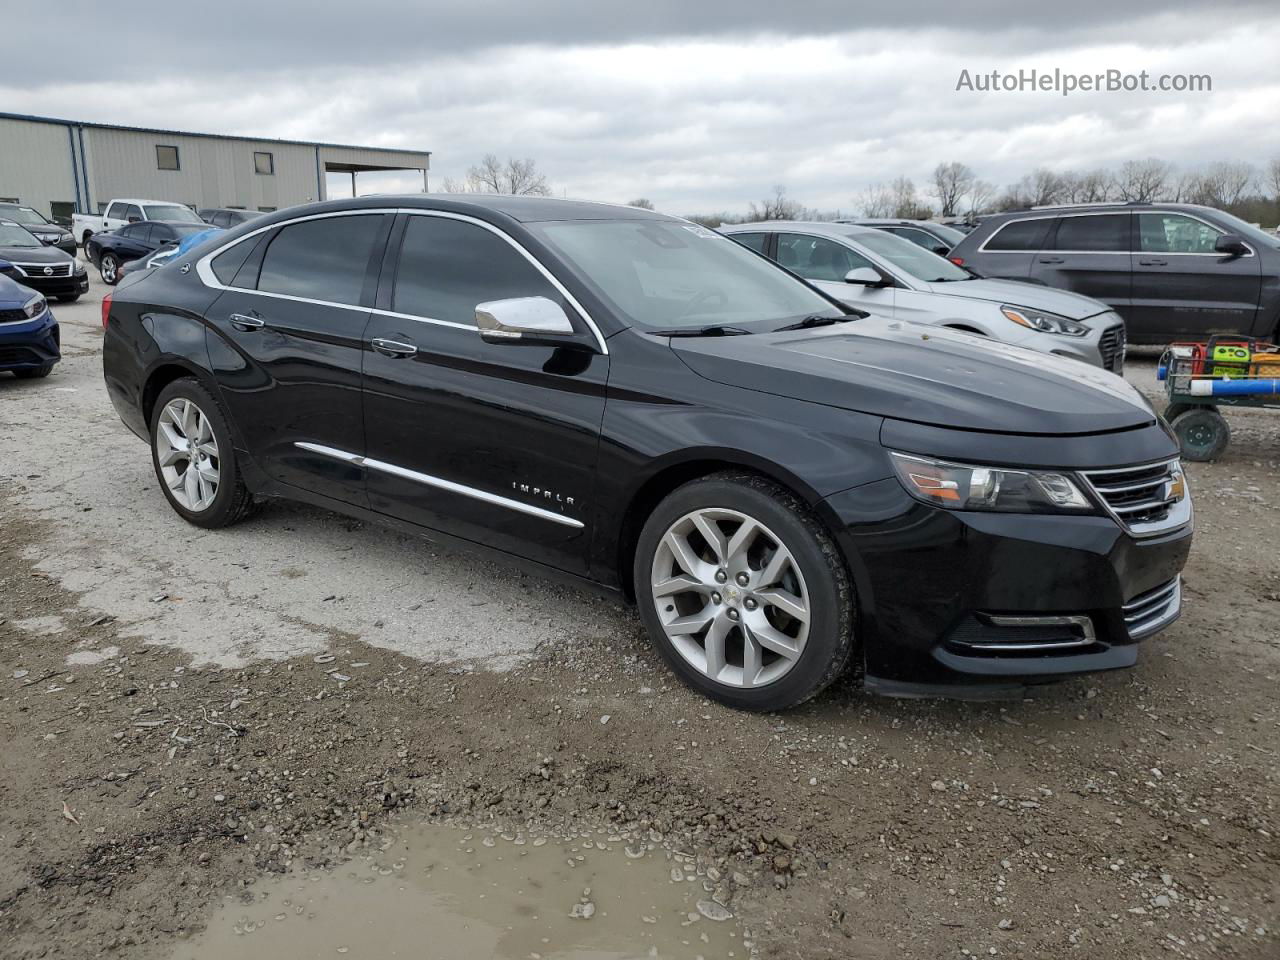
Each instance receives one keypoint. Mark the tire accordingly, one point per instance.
(742, 673)
(84, 242)
(70, 298)
(34, 373)
(225, 500)
(1174, 410)
(109, 268)
(1203, 433)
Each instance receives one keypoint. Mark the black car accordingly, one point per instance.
(227, 217)
(44, 268)
(784, 486)
(40, 226)
(1172, 270)
(108, 251)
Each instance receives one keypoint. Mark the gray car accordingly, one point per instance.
(1172, 270)
(891, 277)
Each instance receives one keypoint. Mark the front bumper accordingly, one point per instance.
(984, 604)
(31, 344)
(1105, 346)
(73, 285)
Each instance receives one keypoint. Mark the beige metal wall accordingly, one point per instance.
(35, 164)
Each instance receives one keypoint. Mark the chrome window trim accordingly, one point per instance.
(982, 248)
(204, 268)
(428, 480)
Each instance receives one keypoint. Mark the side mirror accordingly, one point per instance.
(1230, 243)
(528, 320)
(940, 249)
(135, 219)
(864, 276)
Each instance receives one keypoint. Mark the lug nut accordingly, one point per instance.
(716, 598)
(721, 576)
(743, 579)
(750, 604)
(733, 614)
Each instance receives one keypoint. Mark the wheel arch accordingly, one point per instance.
(165, 373)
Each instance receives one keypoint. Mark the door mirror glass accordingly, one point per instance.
(522, 320)
(1231, 244)
(865, 276)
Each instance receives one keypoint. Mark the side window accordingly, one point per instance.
(116, 211)
(816, 258)
(161, 233)
(448, 266)
(1174, 233)
(142, 232)
(1107, 233)
(756, 241)
(1019, 236)
(918, 237)
(321, 259)
(227, 264)
(132, 212)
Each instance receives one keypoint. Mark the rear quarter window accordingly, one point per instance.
(1019, 236)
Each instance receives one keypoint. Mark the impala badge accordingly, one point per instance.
(541, 492)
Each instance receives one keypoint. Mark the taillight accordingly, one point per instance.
(958, 261)
(106, 310)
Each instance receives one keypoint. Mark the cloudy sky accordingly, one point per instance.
(699, 105)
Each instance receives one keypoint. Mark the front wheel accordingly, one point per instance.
(744, 592)
(109, 267)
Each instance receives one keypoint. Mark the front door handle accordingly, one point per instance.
(1052, 260)
(246, 323)
(1153, 263)
(393, 348)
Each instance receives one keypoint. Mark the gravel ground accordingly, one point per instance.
(186, 711)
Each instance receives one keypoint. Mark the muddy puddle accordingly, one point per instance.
(436, 891)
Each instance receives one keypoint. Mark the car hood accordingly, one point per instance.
(1064, 303)
(923, 374)
(39, 254)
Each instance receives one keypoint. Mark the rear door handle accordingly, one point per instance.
(1052, 260)
(393, 348)
(1153, 263)
(246, 323)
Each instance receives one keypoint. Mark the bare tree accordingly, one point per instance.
(1091, 187)
(642, 203)
(1273, 178)
(1225, 183)
(876, 201)
(491, 175)
(1143, 180)
(906, 204)
(978, 199)
(776, 207)
(951, 181)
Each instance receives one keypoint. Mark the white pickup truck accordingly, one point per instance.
(120, 212)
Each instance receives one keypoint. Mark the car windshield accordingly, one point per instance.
(1247, 230)
(185, 230)
(22, 215)
(665, 274)
(11, 235)
(172, 211)
(950, 234)
(910, 258)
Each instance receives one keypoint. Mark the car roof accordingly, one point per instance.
(807, 226)
(893, 221)
(522, 209)
(1117, 206)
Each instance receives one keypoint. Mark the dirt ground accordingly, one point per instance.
(184, 713)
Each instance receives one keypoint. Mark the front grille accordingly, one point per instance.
(18, 355)
(1112, 346)
(37, 270)
(1150, 611)
(1145, 500)
(13, 316)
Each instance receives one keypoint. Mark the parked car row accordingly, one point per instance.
(783, 482)
(111, 251)
(45, 268)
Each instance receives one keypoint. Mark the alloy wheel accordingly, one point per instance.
(730, 597)
(187, 452)
(109, 269)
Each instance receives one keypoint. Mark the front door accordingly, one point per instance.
(1089, 254)
(1182, 287)
(493, 443)
(285, 342)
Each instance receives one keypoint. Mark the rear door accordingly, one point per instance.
(285, 343)
(1182, 287)
(1009, 253)
(824, 263)
(1088, 253)
(493, 443)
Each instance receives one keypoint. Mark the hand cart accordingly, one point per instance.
(1222, 372)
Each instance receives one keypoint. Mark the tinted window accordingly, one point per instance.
(1107, 233)
(161, 232)
(1019, 235)
(116, 211)
(816, 258)
(321, 259)
(1174, 233)
(134, 231)
(226, 265)
(919, 237)
(755, 241)
(132, 212)
(448, 266)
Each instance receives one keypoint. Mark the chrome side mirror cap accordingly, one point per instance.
(523, 320)
(865, 276)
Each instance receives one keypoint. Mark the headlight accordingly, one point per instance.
(1044, 322)
(79, 268)
(957, 486)
(34, 307)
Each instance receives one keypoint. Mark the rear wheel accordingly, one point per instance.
(1202, 433)
(193, 457)
(109, 267)
(33, 373)
(744, 593)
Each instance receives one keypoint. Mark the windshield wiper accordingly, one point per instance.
(818, 321)
(714, 330)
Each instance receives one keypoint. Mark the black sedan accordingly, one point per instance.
(785, 486)
(109, 251)
(44, 268)
(40, 226)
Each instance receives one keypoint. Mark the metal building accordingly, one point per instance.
(62, 166)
